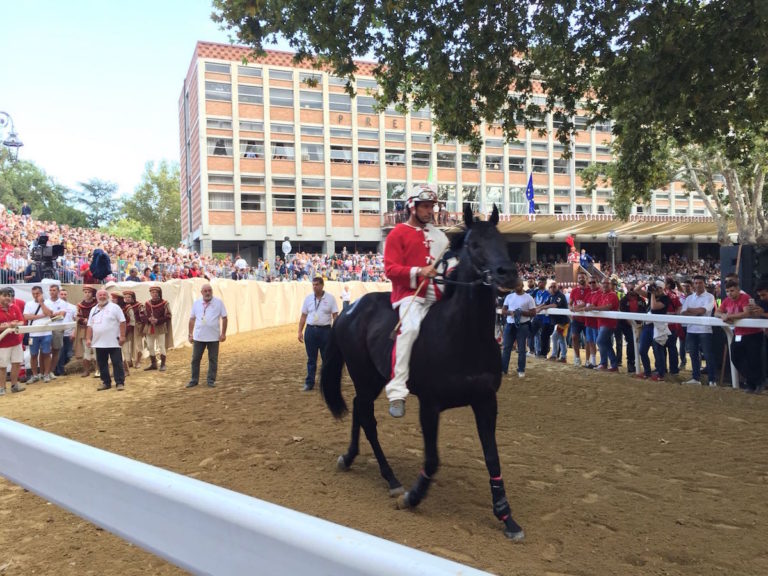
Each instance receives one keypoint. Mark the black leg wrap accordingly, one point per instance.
(500, 505)
(419, 490)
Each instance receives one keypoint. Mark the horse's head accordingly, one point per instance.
(485, 249)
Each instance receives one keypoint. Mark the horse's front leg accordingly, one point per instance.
(485, 411)
(429, 416)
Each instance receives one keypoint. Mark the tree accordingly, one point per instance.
(156, 202)
(671, 75)
(99, 202)
(129, 228)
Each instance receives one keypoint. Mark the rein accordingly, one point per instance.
(485, 276)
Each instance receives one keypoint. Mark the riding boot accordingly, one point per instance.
(153, 365)
(162, 363)
(86, 369)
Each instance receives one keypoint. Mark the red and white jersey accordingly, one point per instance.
(407, 249)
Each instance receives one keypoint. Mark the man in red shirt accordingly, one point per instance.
(607, 300)
(746, 348)
(410, 253)
(10, 346)
(578, 298)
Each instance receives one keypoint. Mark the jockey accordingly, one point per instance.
(410, 253)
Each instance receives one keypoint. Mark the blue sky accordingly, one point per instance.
(92, 86)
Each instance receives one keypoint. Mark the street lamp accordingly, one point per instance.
(613, 242)
(12, 141)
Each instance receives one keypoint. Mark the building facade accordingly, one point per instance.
(271, 151)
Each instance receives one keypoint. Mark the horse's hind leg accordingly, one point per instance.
(485, 416)
(368, 422)
(430, 418)
(345, 461)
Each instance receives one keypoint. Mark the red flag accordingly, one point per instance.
(569, 240)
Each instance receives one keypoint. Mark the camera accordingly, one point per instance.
(43, 257)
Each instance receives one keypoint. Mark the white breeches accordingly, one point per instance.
(155, 344)
(411, 316)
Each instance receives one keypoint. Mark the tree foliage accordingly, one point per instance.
(156, 202)
(129, 228)
(99, 201)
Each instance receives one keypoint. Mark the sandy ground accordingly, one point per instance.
(607, 475)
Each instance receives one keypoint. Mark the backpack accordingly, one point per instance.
(100, 265)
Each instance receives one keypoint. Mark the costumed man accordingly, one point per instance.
(573, 255)
(410, 255)
(157, 327)
(82, 350)
(133, 349)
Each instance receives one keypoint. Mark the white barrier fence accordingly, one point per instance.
(638, 319)
(202, 528)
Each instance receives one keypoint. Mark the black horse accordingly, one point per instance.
(455, 361)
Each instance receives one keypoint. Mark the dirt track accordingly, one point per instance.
(607, 475)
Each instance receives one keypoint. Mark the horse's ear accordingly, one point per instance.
(495, 215)
(468, 215)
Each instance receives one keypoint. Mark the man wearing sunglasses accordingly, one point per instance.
(410, 253)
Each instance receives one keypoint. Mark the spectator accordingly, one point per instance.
(11, 353)
(636, 304)
(747, 344)
(608, 301)
(560, 322)
(663, 339)
(207, 328)
(82, 348)
(59, 308)
(36, 313)
(69, 335)
(542, 326)
(698, 337)
(579, 297)
(106, 334)
(518, 309)
(133, 275)
(318, 311)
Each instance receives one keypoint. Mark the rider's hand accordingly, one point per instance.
(427, 271)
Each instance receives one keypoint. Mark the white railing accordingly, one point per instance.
(202, 528)
(637, 320)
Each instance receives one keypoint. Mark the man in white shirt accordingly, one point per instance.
(240, 263)
(37, 313)
(69, 335)
(518, 310)
(318, 312)
(106, 334)
(207, 327)
(700, 303)
(59, 309)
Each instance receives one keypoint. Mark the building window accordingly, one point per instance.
(367, 156)
(603, 149)
(539, 146)
(446, 160)
(341, 205)
(366, 83)
(603, 125)
(251, 126)
(284, 203)
(250, 94)
(310, 79)
(562, 209)
(446, 194)
(516, 164)
(218, 91)
(218, 124)
(312, 183)
(246, 180)
(313, 204)
(311, 130)
(494, 195)
(341, 184)
(581, 164)
(391, 110)
(369, 206)
(249, 71)
(281, 97)
(581, 193)
(394, 157)
(252, 148)
(219, 146)
(583, 148)
(341, 154)
(369, 184)
(252, 202)
(284, 181)
(469, 195)
(217, 68)
(420, 158)
(421, 113)
(395, 196)
(517, 202)
(283, 151)
(469, 161)
(339, 102)
(539, 164)
(394, 136)
(421, 138)
(275, 74)
(336, 81)
(281, 128)
(493, 143)
(365, 105)
(367, 135)
(580, 123)
(560, 166)
(221, 201)
(312, 152)
(493, 163)
(220, 179)
(345, 133)
(311, 100)
(583, 208)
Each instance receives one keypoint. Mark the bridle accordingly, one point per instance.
(485, 277)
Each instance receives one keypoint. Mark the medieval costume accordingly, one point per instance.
(133, 349)
(157, 327)
(83, 351)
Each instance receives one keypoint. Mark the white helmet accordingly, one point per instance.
(422, 193)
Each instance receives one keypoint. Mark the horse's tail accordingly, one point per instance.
(330, 377)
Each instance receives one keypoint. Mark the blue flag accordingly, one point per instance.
(529, 195)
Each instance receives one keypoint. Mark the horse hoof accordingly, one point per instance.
(403, 503)
(517, 536)
(396, 491)
(341, 464)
